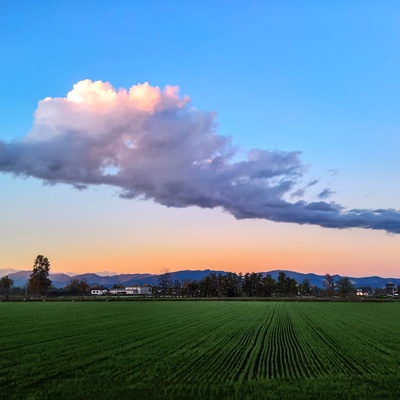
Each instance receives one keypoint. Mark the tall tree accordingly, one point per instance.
(6, 283)
(305, 287)
(232, 285)
(281, 283)
(269, 285)
(252, 284)
(205, 287)
(164, 280)
(344, 286)
(215, 287)
(329, 284)
(291, 287)
(38, 281)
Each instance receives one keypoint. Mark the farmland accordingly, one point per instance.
(182, 350)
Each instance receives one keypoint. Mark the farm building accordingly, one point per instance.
(99, 290)
(131, 290)
(143, 289)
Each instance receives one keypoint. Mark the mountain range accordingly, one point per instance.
(60, 280)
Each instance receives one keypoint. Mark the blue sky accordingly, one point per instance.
(320, 78)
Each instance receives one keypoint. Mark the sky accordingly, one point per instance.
(243, 136)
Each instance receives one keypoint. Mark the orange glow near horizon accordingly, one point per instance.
(101, 232)
(331, 252)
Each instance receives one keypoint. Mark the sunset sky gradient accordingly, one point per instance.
(139, 136)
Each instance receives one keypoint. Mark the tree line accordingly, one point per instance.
(251, 285)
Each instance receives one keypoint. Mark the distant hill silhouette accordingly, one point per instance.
(59, 280)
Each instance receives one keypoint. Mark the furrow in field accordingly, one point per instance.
(360, 342)
(309, 359)
(231, 356)
(285, 357)
(259, 364)
(305, 357)
(223, 362)
(322, 356)
(242, 371)
(198, 363)
(237, 356)
(332, 349)
(269, 353)
(290, 358)
(302, 356)
(275, 370)
(271, 350)
(230, 360)
(204, 350)
(253, 350)
(347, 362)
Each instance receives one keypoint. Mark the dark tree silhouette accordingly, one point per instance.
(164, 281)
(6, 283)
(269, 285)
(305, 287)
(329, 284)
(344, 286)
(38, 281)
(77, 286)
(280, 283)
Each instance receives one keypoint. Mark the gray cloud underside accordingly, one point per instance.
(176, 158)
(248, 189)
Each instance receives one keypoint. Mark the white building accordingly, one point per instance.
(132, 290)
(99, 291)
(137, 289)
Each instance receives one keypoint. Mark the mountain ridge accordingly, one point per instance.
(59, 280)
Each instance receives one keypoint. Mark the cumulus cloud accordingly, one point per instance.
(153, 144)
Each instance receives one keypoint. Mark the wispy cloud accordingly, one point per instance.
(326, 193)
(154, 144)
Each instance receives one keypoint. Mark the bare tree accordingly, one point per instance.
(164, 280)
(329, 284)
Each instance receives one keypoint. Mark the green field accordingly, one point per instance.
(190, 350)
